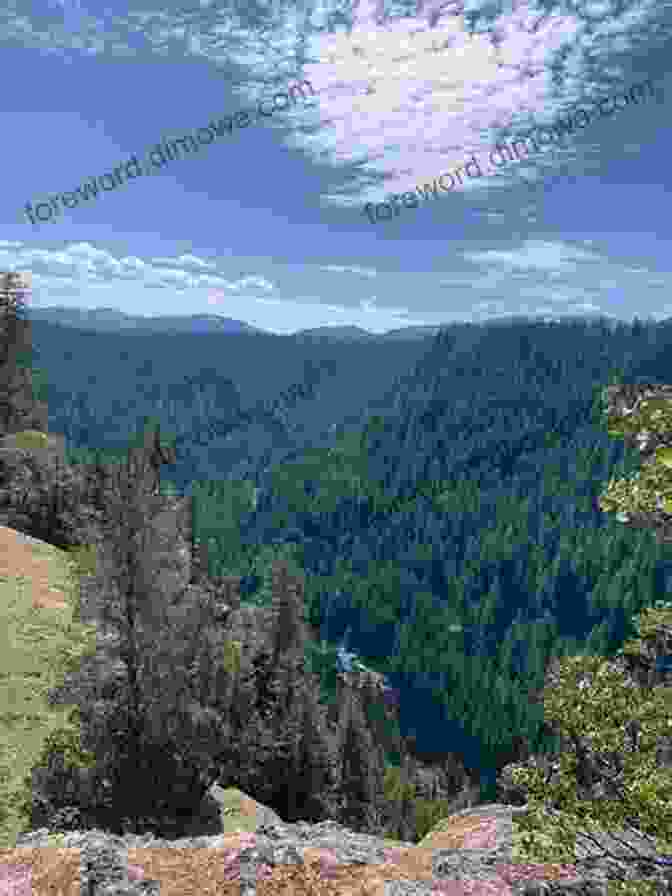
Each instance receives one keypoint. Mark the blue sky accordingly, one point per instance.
(266, 224)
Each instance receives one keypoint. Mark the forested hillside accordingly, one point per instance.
(457, 538)
(233, 406)
(183, 686)
(449, 531)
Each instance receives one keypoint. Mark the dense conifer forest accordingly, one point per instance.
(453, 534)
(439, 496)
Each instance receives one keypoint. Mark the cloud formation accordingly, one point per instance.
(415, 94)
(398, 94)
(418, 96)
(550, 277)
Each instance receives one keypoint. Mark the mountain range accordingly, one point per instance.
(111, 320)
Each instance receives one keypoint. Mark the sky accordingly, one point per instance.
(307, 110)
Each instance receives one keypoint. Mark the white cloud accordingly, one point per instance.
(410, 96)
(185, 261)
(535, 254)
(534, 277)
(93, 267)
(352, 269)
(585, 306)
(254, 282)
(412, 100)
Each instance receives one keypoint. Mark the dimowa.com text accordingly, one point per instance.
(538, 137)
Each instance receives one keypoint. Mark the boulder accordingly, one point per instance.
(239, 812)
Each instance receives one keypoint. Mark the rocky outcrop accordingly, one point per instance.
(318, 859)
(310, 859)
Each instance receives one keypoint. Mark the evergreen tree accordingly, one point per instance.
(596, 709)
(152, 721)
(288, 608)
(151, 455)
(362, 768)
(126, 589)
(400, 795)
(317, 763)
(13, 291)
(19, 408)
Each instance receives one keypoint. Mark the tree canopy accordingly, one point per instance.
(613, 726)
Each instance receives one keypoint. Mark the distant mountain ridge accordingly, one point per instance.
(111, 320)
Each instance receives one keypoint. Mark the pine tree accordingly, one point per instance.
(153, 720)
(149, 457)
(400, 792)
(317, 766)
(126, 590)
(407, 826)
(19, 408)
(613, 730)
(362, 771)
(290, 632)
(13, 291)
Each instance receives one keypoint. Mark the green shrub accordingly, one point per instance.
(83, 559)
(393, 787)
(232, 655)
(30, 439)
(56, 766)
(428, 813)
